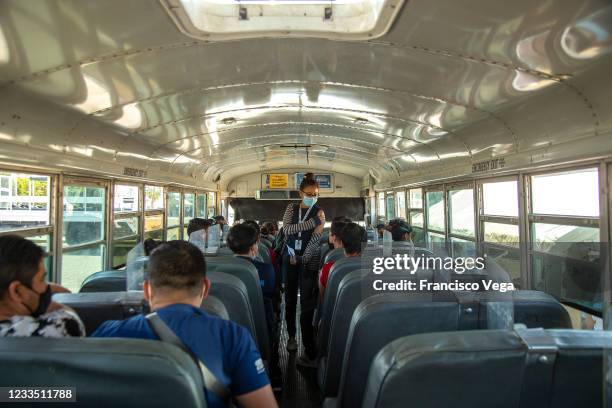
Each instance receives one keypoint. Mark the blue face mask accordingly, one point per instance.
(309, 201)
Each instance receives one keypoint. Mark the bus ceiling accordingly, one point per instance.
(431, 91)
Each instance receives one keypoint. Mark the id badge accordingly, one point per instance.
(298, 244)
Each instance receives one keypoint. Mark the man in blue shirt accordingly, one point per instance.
(243, 240)
(175, 288)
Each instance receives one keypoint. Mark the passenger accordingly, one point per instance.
(223, 227)
(335, 243)
(352, 236)
(149, 245)
(381, 230)
(268, 232)
(197, 224)
(26, 308)
(299, 222)
(242, 240)
(400, 230)
(175, 289)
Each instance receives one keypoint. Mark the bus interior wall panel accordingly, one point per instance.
(268, 210)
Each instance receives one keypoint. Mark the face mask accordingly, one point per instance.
(44, 300)
(309, 201)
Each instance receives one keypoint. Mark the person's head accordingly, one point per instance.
(337, 224)
(381, 229)
(268, 229)
(242, 240)
(400, 230)
(176, 273)
(23, 286)
(253, 224)
(309, 190)
(352, 237)
(219, 219)
(149, 245)
(197, 224)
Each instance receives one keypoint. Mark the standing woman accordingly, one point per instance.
(299, 223)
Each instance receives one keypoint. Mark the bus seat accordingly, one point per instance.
(94, 308)
(324, 250)
(105, 281)
(225, 251)
(523, 368)
(334, 255)
(407, 314)
(324, 236)
(247, 273)
(392, 315)
(232, 292)
(339, 270)
(531, 308)
(214, 306)
(106, 372)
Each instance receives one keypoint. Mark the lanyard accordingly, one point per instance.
(300, 219)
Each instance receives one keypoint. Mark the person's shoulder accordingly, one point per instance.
(227, 329)
(118, 328)
(66, 321)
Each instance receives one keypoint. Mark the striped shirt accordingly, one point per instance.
(312, 252)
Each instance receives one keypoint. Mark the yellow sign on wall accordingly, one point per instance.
(279, 181)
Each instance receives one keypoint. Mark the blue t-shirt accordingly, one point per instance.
(266, 274)
(225, 347)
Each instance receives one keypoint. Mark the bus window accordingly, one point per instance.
(126, 198)
(211, 205)
(173, 215)
(126, 235)
(499, 226)
(154, 226)
(390, 200)
(201, 205)
(400, 199)
(154, 213)
(564, 227)
(415, 212)
(435, 211)
(461, 222)
(25, 200)
(500, 198)
(380, 208)
(188, 212)
(154, 198)
(126, 224)
(551, 195)
(84, 240)
(461, 208)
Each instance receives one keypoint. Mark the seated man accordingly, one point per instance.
(400, 230)
(337, 224)
(243, 240)
(26, 308)
(175, 289)
(352, 236)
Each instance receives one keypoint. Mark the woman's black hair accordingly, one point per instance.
(308, 180)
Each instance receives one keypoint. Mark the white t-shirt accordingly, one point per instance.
(59, 323)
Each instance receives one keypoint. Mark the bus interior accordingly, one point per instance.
(484, 125)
